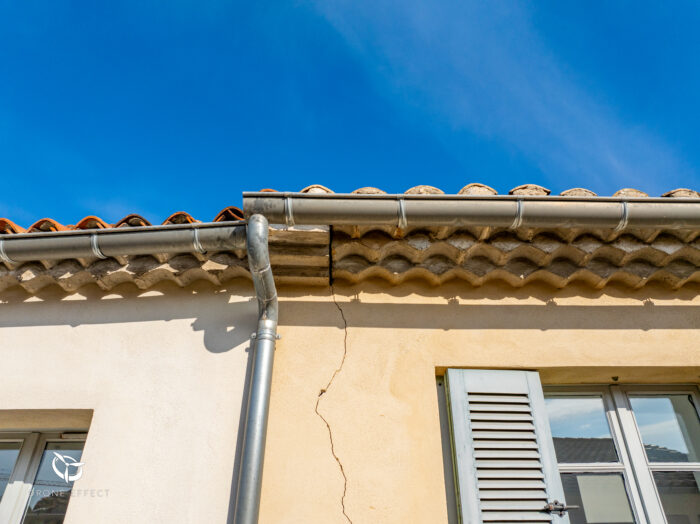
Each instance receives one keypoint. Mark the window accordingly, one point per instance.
(37, 472)
(611, 454)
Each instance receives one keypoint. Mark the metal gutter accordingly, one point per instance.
(247, 505)
(510, 211)
(104, 243)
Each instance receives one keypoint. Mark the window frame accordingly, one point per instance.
(637, 470)
(623, 464)
(19, 487)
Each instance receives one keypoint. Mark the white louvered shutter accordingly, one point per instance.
(505, 463)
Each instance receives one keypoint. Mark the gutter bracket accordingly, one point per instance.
(96, 248)
(624, 217)
(402, 221)
(196, 244)
(288, 212)
(3, 255)
(518, 220)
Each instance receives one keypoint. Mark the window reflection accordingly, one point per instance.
(601, 498)
(580, 429)
(679, 495)
(669, 427)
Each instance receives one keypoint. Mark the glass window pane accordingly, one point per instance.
(9, 451)
(580, 429)
(669, 427)
(679, 495)
(59, 467)
(601, 498)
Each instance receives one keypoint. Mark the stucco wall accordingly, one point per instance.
(383, 463)
(163, 372)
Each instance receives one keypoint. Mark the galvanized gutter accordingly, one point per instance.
(104, 243)
(511, 212)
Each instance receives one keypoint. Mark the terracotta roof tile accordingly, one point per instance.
(315, 188)
(229, 214)
(368, 191)
(132, 220)
(578, 192)
(47, 224)
(630, 192)
(425, 190)
(180, 217)
(477, 189)
(91, 222)
(8, 226)
(529, 189)
(682, 192)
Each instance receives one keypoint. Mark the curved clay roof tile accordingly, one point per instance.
(368, 191)
(425, 190)
(477, 189)
(630, 192)
(180, 218)
(682, 192)
(578, 192)
(229, 214)
(47, 224)
(9, 227)
(132, 220)
(91, 222)
(529, 189)
(315, 188)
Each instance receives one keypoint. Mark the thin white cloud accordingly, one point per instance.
(480, 67)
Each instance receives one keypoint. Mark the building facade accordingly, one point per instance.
(436, 363)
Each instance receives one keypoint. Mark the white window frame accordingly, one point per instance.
(19, 487)
(637, 470)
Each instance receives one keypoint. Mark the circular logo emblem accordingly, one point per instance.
(66, 467)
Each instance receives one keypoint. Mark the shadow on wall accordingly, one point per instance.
(225, 322)
(418, 306)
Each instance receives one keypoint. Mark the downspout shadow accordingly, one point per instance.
(239, 437)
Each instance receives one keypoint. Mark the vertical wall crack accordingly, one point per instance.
(324, 390)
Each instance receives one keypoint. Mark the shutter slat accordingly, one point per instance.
(506, 454)
(508, 464)
(513, 505)
(501, 426)
(505, 444)
(504, 517)
(513, 494)
(509, 474)
(504, 417)
(498, 399)
(504, 435)
(506, 408)
(485, 483)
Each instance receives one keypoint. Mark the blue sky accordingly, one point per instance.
(155, 107)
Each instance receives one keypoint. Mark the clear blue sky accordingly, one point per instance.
(155, 107)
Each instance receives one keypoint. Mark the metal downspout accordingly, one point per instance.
(253, 451)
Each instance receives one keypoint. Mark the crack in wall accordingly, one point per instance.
(324, 390)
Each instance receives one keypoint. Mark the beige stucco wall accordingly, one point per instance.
(382, 405)
(163, 372)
